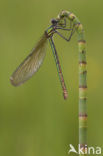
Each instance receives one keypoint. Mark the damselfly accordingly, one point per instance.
(34, 60)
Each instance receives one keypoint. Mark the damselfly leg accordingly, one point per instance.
(67, 39)
(64, 27)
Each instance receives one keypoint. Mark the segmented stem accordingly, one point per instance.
(59, 70)
(82, 79)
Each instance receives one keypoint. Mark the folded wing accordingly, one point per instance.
(31, 64)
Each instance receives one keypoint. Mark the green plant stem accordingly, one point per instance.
(82, 79)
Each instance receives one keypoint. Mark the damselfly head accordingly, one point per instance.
(54, 21)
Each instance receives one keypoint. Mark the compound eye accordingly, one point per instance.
(54, 21)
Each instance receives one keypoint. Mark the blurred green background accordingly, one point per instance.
(34, 118)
